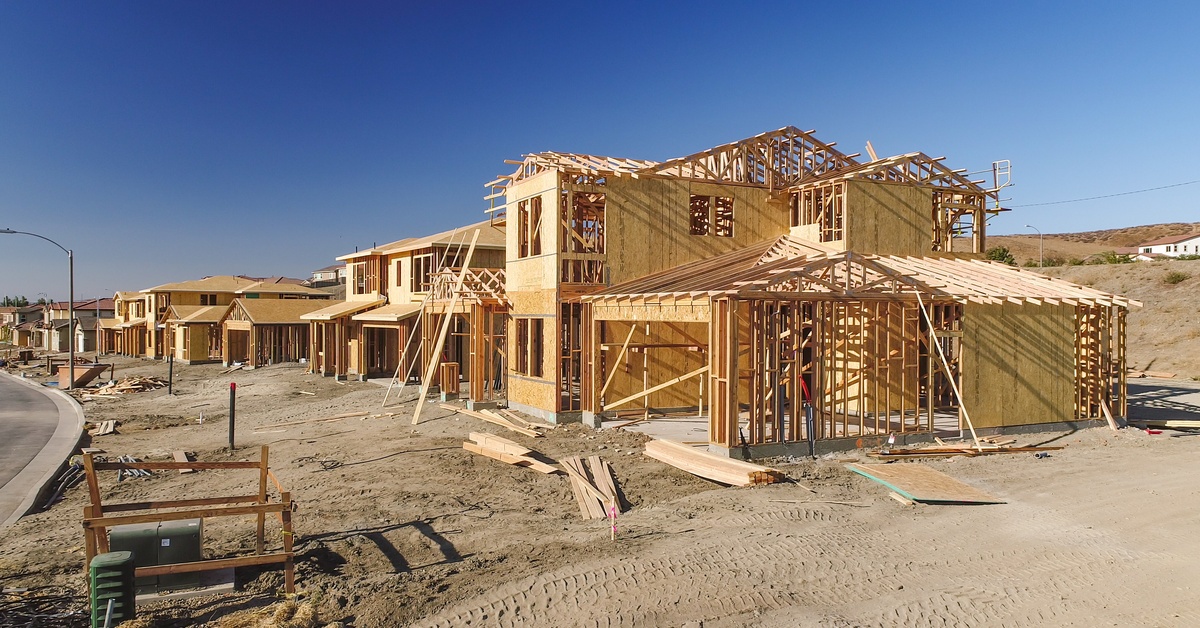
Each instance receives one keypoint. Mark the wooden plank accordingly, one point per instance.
(602, 476)
(502, 422)
(212, 565)
(923, 484)
(1112, 424)
(435, 353)
(181, 456)
(711, 466)
(594, 501)
(162, 466)
(180, 503)
(654, 389)
(1187, 424)
(107, 522)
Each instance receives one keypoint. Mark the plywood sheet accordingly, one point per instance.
(923, 484)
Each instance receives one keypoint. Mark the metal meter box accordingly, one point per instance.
(179, 542)
(162, 543)
(141, 540)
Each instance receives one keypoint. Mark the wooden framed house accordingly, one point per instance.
(163, 330)
(375, 331)
(751, 281)
(258, 332)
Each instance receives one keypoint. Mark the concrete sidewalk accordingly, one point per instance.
(18, 495)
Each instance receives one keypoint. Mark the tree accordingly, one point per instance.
(1001, 254)
(17, 301)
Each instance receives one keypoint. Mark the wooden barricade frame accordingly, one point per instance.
(98, 516)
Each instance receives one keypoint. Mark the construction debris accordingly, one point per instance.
(125, 386)
(983, 449)
(494, 419)
(103, 428)
(711, 466)
(182, 456)
(508, 452)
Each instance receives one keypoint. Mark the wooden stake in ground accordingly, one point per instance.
(437, 348)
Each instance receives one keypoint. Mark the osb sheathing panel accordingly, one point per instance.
(544, 185)
(888, 219)
(663, 364)
(1018, 364)
(647, 224)
(531, 303)
(538, 393)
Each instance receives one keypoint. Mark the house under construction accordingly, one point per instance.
(790, 293)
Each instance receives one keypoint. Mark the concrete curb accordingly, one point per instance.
(44, 468)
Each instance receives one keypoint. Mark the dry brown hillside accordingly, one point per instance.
(1067, 246)
(1164, 335)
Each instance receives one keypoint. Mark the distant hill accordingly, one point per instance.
(1164, 335)
(1079, 245)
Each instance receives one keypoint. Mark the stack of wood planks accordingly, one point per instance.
(507, 451)
(594, 487)
(509, 421)
(103, 428)
(711, 466)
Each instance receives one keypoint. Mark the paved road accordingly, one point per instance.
(38, 430)
(27, 421)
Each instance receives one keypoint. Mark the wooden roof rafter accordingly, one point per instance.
(917, 168)
(776, 160)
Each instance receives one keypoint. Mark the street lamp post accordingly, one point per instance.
(1039, 232)
(70, 302)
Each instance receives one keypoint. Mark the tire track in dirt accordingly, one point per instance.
(766, 563)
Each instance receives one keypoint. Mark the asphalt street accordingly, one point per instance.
(28, 419)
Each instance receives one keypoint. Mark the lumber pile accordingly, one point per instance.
(489, 416)
(594, 487)
(103, 428)
(507, 452)
(128, 385)
(987, 446)
(1172, 424)
(711, 466)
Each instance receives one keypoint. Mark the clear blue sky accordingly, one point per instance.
(165, 141)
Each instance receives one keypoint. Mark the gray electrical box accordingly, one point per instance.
(164, 543)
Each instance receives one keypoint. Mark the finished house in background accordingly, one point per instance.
(182, 319)
(749, 281)
(1171, 246)
(368, 334)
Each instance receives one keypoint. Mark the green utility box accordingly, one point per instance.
(164, 543)
(110, 578)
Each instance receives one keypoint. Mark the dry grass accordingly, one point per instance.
(1068, 246)
(289, 614)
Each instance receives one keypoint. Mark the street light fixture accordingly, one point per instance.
(70, 302)
(1039, 232)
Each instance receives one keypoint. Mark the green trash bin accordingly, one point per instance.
(110, 577)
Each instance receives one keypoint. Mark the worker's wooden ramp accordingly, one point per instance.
(923, 484)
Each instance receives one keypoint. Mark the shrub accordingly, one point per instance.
(1001, 254)
(1187, 256)
(1110, 257)
(1175, 277)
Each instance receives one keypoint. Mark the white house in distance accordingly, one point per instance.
(1172, 246)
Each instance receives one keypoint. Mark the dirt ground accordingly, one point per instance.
(398, 525)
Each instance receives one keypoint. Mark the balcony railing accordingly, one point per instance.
(479, 285)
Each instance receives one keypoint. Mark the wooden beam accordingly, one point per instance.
(654, 389)
(435, 354)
